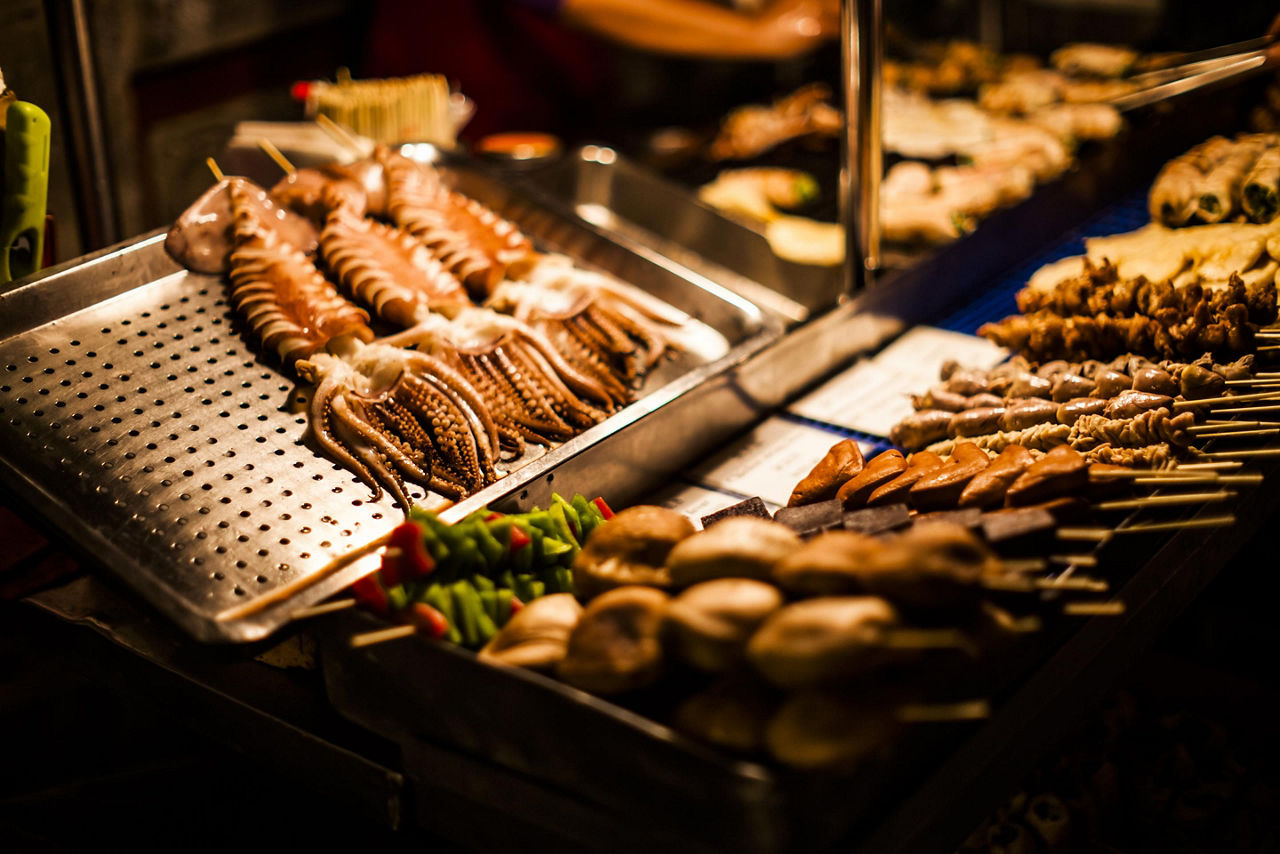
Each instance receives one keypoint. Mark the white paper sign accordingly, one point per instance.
(768, 462)
(874, 394)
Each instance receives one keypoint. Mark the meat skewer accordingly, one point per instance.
(920, 429)
(1059, 380)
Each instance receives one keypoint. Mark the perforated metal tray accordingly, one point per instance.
(136, 415)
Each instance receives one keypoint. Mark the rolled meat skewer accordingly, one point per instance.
(1219, 190)
(1260, 197)
(1173, 198)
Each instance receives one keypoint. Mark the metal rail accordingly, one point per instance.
(862, 51)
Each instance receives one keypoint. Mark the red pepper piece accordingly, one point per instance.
(414, 561)
(369, 593)
(428, 620)
(519, 539)
(493, 517)
(516, 606)
(604, 508)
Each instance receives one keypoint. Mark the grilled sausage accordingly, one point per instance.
(1155, 380)
(921, 429)
(939, 397)
(976, 422)
(1059, 472)
(1070, 411)
(940, 489)
(1067, 386)
(1109, 383)
(1198, 383)
(897, 490)
(988, 487)
(880, 470)
(1029, 385)
(1028, 413)
(965, 381)
(986, 398)
(1130, 403)
(841, 463)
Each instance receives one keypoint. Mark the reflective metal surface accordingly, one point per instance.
(636, 207)
(136, 416)
(862, 44)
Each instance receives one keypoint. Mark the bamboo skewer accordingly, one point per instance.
(1229, 426)
(382, 635)
(1174, 500)
(1246, 410)
(213, 167)
(1212, 402)
(274, 153)
(323, 608)
(1206, 479)
(338, 133)
(1088, 560)
(1099, 533)
(286, 591)
(1242, 434)
(1251, 453)
(1113, 608)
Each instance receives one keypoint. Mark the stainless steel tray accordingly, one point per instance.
(134, 414)
(640, 208)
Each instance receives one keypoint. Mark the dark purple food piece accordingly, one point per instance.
(750, 507)
(878, 520)
(809, 519)
(1007, 530)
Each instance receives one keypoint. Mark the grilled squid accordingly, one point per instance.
(473, 242)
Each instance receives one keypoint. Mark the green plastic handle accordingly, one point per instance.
(26, 189)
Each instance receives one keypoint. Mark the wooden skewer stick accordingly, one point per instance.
(1207, 479)
(286, 591)
(1241, 434)
(1214, 466)
(1010, 623)
(1225, 400)
(1093, 585)
(382, 635)
(1025, 565)
(1100, 533)
(1252, 452)
(323, 608)
(213, 167)
(924, 713)
(1170, 474)
(1266, 348)
(1172, 500)
(1075, 560)
(1094, 609)
(1246, 410)
(340, 134)
(1225, 426)
(1256, 379)
(275, 154)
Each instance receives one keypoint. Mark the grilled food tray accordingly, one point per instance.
(136, 415)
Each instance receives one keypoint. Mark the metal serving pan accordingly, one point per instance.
(135, 415)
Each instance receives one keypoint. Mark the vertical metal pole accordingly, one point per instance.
(862, 49)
